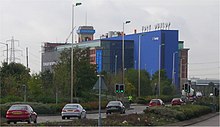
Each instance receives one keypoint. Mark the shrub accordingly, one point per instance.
(39, 108)
(167, 112)
(10, 98)
(180, 112)
(141, 100)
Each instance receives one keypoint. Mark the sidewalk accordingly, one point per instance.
(195, 120)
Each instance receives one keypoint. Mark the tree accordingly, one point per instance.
(165, 83)
(35, 91)
(13, 77)
(132, 77)
(84, 75)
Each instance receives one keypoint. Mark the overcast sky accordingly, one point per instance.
(35, 21)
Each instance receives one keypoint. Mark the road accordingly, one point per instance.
(214, 121)
(134, 109)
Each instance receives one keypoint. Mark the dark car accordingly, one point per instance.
(21, 113)
(115, 106)
(156, 102)
(177, 101)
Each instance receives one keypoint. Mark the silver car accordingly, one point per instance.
(73, 110)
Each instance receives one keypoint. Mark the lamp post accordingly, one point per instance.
(116, 64)
(123, 46)
(100, 87)
(6, 50)
(74, 5)
(25, 92)
(159, 67)
(173, 71)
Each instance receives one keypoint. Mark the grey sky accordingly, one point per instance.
(35, 21)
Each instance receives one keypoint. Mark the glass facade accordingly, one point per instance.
(112, 55)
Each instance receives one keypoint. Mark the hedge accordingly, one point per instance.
(181, 113)
(147, 99)
(47, 109)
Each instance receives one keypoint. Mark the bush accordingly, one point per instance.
(167, 112)
(192, 111)
(10, 98)
(146, 100)
(184, 112)
(141, 100)
(39, 108)
(93, 105)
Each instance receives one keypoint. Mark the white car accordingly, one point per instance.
(198, 94)
(73, 110)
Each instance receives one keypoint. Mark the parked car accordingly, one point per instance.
(73, 110)
(115, 106)
(21, 113)
(177, 101)
(156, 102)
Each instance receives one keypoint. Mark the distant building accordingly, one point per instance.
(49, 55)
(160, 47)
(206, 86)
(85, 33)
(183, 66)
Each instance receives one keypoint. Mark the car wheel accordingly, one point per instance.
(80, 116)
(35, 121)
(29, 121)
(15, 122)
(8, 122)
(68, 117)
(63, 117)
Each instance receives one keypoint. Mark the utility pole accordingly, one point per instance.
(27, 55)
(6, 51)
(13, 50)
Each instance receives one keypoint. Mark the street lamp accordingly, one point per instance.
(100, 87)
(72, 29)
(116, 64)
(139, 65)
(173, 71)
(6, 50)
(25, 92)
(123, 46)
(159, 66)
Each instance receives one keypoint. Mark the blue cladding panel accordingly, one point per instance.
(99, 60)
(150, 42)
(85, 31)
(171, 46)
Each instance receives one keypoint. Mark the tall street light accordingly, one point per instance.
(173, 70)
(159, 66)
(6, 51)
(25, 92)
(116, 64)
(123, 55)
(139, 65)
(74, 5)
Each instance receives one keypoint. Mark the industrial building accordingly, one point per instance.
(154, 50)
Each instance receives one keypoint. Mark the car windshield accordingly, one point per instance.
(18, 107)
(113, 103)
(176, 99)
(154, 101)
(71, 106)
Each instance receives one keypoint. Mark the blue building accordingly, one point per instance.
(158, 47)
(152, 43)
